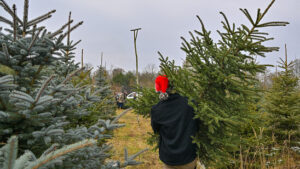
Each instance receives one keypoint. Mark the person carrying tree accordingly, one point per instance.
(173, 119)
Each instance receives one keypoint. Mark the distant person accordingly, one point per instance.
(172, 119)
(121, 100)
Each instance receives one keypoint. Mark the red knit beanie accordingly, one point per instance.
(161, 83)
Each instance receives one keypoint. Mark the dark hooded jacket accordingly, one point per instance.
(173, 120)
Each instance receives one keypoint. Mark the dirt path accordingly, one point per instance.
(134, 137)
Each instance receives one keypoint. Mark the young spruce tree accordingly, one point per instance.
(38, 99)
(282, 105)
(219, 78)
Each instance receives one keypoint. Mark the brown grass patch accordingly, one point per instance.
(134, 137)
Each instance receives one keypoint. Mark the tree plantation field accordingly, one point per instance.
(57, 113)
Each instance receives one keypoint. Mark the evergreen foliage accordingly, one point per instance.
(40, 99)
(101, 79)
(105, 108)
(219, 78)
(282, 105)
(49, 159)
(106, 94)
(124, 80)
(143, 104)
(53, 157)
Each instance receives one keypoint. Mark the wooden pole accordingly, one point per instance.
(135, 33)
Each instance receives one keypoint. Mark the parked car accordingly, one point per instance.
(133, 95)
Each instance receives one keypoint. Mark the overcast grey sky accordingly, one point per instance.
(107, 25)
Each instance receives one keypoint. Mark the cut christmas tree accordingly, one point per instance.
(219, 79)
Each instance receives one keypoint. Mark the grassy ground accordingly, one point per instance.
(134, 137)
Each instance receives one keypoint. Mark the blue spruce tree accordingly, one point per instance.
(38, 99)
